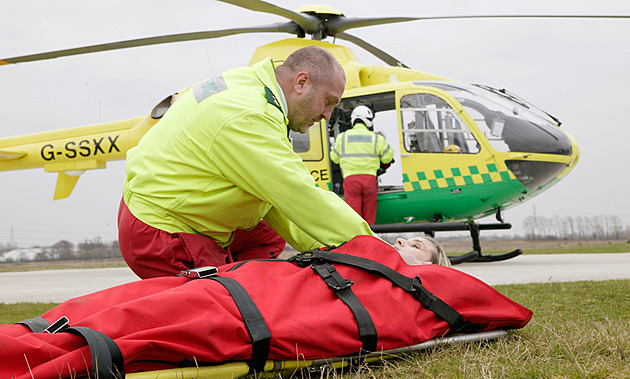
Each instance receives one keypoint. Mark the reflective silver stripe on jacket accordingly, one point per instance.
(357, 155)
(343, 153)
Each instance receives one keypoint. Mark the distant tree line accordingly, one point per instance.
(537, 228)
(93, 248)
(4, 247)
(601, 227)
(89, 249)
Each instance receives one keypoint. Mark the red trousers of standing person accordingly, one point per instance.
(151, 252)
(360, 192)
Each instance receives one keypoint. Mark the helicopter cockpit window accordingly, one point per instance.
(430, 125)
(510, 123)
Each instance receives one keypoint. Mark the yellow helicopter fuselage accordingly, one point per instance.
(448, 168)
(435, 184)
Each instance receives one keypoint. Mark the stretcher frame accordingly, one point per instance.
(242, 369)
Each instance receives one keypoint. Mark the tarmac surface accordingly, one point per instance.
(60, 285)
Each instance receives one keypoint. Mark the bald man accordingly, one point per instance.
(216, 179)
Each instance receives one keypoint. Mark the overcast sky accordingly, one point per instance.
(575, 69)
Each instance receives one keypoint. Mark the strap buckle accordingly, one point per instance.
(200, 272)
(331, 277)
(425, 297)
(57, 325)
(341, 286)
(303, 259)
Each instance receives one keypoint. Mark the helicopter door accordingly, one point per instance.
(439, 157)
(383, 105)
(386, 123)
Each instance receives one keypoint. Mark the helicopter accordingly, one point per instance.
(459, 131)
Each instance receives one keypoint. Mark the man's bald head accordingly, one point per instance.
(317, 61)
(312, 82)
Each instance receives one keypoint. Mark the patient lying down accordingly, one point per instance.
(421, 251)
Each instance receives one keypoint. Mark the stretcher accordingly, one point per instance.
(314, 366)
(356, 301)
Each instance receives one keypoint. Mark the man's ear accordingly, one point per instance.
(301, 81)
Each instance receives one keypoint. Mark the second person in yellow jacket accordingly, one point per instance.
(359, 151)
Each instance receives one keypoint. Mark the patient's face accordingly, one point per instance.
(417, 250)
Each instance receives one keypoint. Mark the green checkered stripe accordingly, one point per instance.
(455, 177)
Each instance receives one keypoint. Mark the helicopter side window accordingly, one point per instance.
(308, 145)
(510, 124)
(430, 125)
(300, 141)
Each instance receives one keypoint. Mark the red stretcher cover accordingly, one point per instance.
(177, 321)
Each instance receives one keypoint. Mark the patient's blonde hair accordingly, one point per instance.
(439, 256)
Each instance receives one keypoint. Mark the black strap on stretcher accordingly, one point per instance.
(411, 285)
(341, 286)
(254, 322)
(36, 324)
(107, 360)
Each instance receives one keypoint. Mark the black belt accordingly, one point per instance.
(411, 285)
(107, 360)
(341, 286)
(254, 322)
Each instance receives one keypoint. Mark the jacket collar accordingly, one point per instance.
(265, 70)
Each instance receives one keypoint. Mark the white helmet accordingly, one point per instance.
(364, 114)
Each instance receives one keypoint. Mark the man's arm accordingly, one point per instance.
(254, 154)
(385, 152)
(293, 235)
(334, 152)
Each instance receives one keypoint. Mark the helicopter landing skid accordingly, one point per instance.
(474, 234)
(431, 227)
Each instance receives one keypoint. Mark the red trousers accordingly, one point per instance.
(152, 252)
(360, 192)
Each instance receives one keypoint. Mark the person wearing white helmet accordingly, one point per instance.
(359, 152)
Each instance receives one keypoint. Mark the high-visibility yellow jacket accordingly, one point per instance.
(360, 151)
(220, 160)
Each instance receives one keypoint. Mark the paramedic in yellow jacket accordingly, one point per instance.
(359, 151)
(200, 181)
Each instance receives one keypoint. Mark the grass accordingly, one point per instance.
(12, 313)
(62, 265)
(579, 330)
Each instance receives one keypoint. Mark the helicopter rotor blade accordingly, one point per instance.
(385, 57)
(520, 16)
(286, 27)
(307, 22)
(339, 24)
